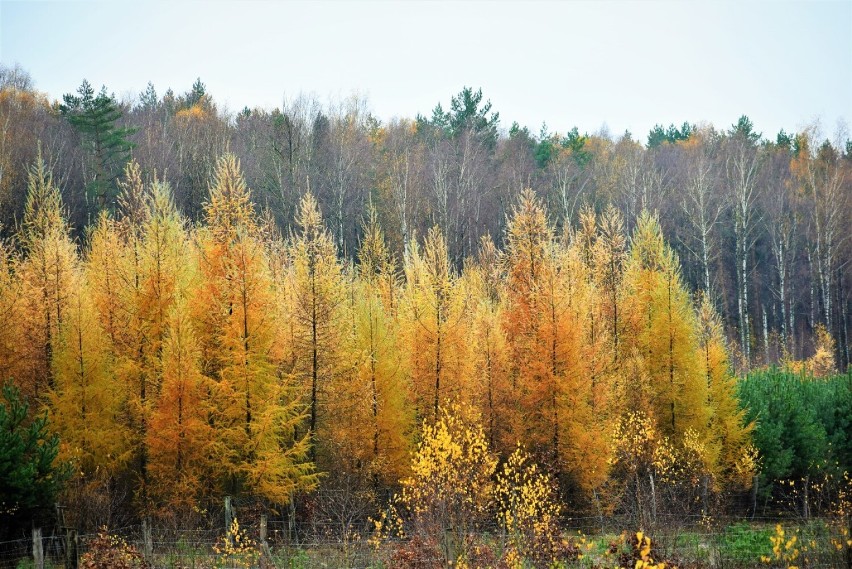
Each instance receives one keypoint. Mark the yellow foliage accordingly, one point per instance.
(86, 403)
(729, 455)
(236, 549)
(821, 364)
(193, 113)
(435, 319)
(230, 209)
(450, 489)
(47, 275)
(785, 550)
(642, 554)
(453, 466)
(256, 411)
(528, 509)
(746, 466)
(452, 493)
(634, 442)
(179, 441)
(381, 395)
(548, 295)
(369, 438)
(663, 330)
(319, 345)
(493, 391)
(10, 317)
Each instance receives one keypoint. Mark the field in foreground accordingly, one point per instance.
(733, 544)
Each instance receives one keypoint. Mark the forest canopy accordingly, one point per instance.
(757, 220)
(261, 304)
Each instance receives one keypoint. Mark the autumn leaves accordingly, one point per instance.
(184, 362)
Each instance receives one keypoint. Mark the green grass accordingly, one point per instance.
(742, 543)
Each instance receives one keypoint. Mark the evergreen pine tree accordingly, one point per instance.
(30, 477)
(95, 118)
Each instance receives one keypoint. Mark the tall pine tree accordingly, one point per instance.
(95, 118)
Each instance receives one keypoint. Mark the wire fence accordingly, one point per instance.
(591, 542)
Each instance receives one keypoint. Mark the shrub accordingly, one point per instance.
(448, 495)
(111, 552)
(528, 510)
(236, 549)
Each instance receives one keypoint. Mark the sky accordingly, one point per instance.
(613, 64)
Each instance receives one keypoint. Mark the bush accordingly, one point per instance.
(528, 510)
(236, 549)
(111, 552)
(448, 497)
(452, 496)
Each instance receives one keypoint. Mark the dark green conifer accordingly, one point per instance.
(95, 118)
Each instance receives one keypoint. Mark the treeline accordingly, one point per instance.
(760, 223)
(180, 362)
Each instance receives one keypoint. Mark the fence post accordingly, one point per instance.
(291, 520)
(229, 517)
(147, 541)
(653, 501)
(754, 481)
(849, 549)
(38, 549)
(264, 546)
(70, 548)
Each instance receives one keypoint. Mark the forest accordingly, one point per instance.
(418, 330)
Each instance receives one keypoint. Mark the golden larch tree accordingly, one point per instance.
(181, 437)
(316, 298)
(116, 261)
(545, 320)
(728, 438)
(490, 382)
(663, 333)
(379, 368)
(10, 314)
(47, 277)
(256, 412)
(177, 444)
(435, 321)
(86, 403)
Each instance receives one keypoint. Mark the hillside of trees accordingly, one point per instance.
(268, 304)
(759, 221)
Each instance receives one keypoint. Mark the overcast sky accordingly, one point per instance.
(627, 65)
